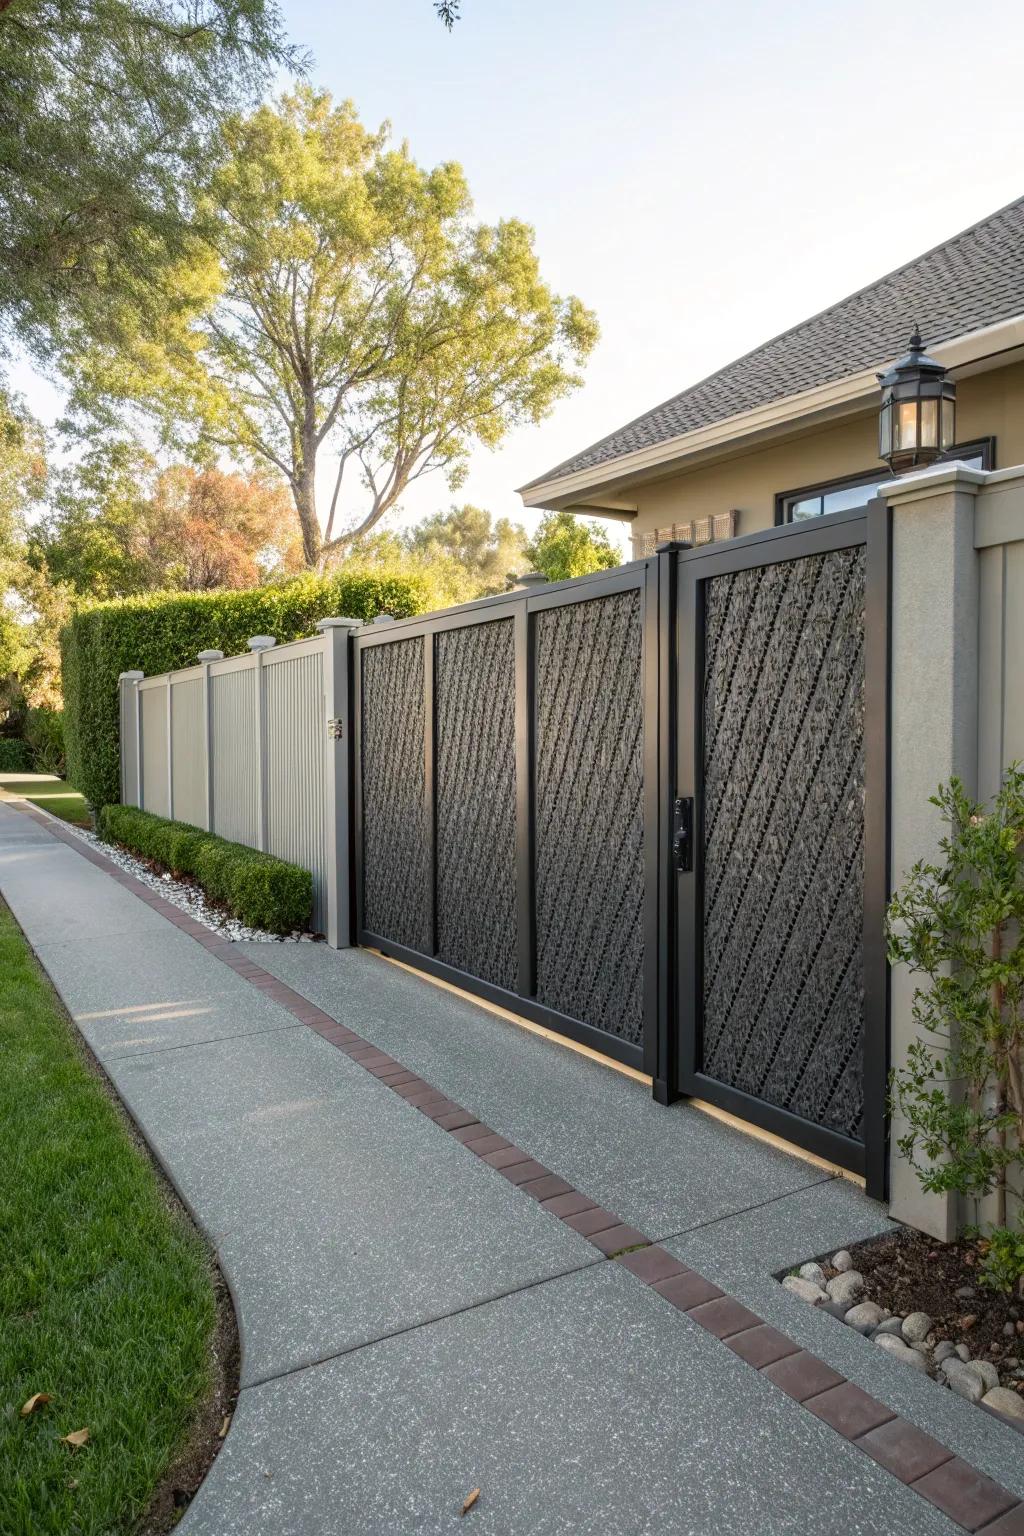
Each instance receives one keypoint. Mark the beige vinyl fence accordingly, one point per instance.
(252, 747)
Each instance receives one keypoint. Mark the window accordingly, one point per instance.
(857, 490)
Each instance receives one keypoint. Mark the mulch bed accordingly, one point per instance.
(906, 1271)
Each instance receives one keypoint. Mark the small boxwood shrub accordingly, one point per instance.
(262, 891)
(164, 630)
(15, 756)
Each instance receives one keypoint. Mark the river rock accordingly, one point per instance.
(814, 1273)
(900, 1351)
(963, 1352)
(916, 1327)
(865, 1317)
(943, 1351)
(988, 1373)
(965, 1292)
(842, 1261)
(890, 1325)
(805, 1289)
(1005, 1401)
(847, 1287)
(963, 1379)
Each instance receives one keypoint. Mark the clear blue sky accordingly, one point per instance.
(702, 175)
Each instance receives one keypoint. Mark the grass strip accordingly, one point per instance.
(52, 794)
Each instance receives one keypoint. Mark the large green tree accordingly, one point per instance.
(107, 109)
(565, 546)
(346, 316)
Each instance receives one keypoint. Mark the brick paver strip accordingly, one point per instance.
(547, 1187)
(849, 1410)
(971, 1500)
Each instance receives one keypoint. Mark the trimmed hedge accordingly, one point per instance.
(162, 631)
(15, 756)
(263, 891)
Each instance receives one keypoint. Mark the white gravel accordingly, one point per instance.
(187, 896)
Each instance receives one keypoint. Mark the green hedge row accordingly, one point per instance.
(162, 631)
(15, 756)
(263, 891)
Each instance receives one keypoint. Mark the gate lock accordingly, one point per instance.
(335, 728)
(682, 834)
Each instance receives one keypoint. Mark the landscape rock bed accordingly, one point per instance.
(924, 1304)
(187, 895)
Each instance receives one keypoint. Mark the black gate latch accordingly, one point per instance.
(682, 834)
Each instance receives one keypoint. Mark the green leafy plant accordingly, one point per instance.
(15, 756)
(960, 1091)
(44, 733)
(161, 631)
(263, 891)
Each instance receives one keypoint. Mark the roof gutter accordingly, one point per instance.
(969, 353)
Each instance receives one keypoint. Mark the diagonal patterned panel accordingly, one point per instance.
(783, 838)
(396, 867)
(475, 743)
(589, 812)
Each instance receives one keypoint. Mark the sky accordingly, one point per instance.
(702, 175)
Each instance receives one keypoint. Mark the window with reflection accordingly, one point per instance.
(857, 490)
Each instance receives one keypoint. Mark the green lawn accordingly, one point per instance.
(51, 793)
(106, 1294)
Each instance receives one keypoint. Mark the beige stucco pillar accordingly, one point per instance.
(933, 725)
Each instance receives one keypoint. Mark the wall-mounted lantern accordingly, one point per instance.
(917, 422)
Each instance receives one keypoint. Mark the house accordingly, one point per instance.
(790, 431)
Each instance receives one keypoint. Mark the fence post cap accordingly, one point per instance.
(325, 624)
(260, 642)
(528, 580)
(130, 677)
(384, 618)
(210, 656)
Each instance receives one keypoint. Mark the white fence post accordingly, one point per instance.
(258, 644)
(338, 778)
(933, 728)
(205, 658)
(131, 754)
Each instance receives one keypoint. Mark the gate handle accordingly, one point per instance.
(682, 841)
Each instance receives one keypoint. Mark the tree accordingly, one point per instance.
(109, 107)
(347, 308)
(120, 526)
(22, 483)
(567, 546)
(485, 551)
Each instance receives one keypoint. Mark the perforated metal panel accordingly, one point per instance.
(783, 835)
(589, 812)
(396, 852)
(474, 691)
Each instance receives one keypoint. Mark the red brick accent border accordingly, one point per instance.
(970, 1499)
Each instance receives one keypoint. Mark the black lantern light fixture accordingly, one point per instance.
(917, 422)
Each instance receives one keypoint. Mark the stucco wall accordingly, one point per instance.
(988, 405)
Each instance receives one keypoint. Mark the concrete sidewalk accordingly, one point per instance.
(413, 1325)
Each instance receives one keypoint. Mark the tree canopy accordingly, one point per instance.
(565, 546)
(344, 313)
(107, 109)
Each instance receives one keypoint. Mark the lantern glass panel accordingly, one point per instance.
(906, 424)
(948, 424)
(929, 424)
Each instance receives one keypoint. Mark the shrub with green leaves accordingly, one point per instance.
(958, 924)
(162, 631)
(15, 756)
(44, 733)
(261, 890)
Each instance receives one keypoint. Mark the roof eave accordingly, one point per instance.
(599, 487)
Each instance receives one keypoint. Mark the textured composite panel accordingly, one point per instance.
(296, 795)
(236, 758)
(783, 835)
(188, 751)
(589, 812)
(396, 850)
(475, 746)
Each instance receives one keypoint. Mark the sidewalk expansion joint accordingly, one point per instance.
(969, 1498)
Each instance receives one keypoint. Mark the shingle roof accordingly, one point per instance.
(973, 280)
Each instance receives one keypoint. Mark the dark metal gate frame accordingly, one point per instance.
(671, 741)
(642, 576)
(683, 890)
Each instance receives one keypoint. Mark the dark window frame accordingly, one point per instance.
(985, 446)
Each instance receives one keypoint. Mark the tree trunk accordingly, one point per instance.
(304, 492)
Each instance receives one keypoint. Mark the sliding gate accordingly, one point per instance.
(780, 845)
(507, 802)
(647, 809)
